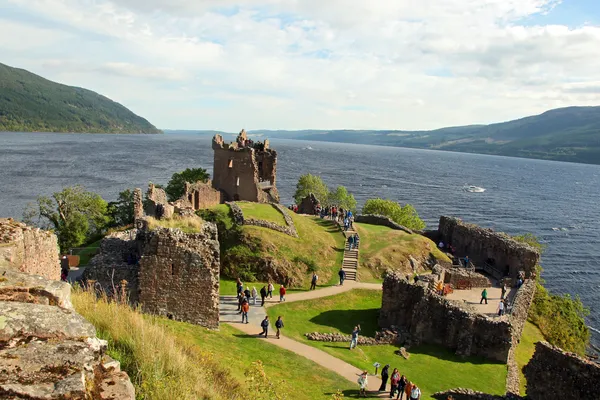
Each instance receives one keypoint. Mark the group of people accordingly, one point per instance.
(399, 385)
(265, 327)
(353, 241)
(502, 305)
(447, 247)
(245, 295)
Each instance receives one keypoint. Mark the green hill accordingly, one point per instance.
(29, 103)
(564, 134)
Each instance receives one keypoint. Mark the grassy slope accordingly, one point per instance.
(261, 211)
(431, 367)
(31, 103)
(174, 360)
(531, 335)
(382, 248)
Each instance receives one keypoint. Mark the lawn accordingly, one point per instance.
(433, 368)
(261, 211)
(530, 336)
(382, 248)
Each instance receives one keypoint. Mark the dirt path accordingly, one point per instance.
(229, 315)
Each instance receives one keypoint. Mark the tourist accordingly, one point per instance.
(354, 340)
(519, 283)
(467, 261)
(401, 386)
(504, 289)
(240, 286)
(394, 382)
(350, 242)
(441, 245)
(384, 377)
(407, 389)
(245, 309)
(270, 290)
(278, 325)
(254, 295)
(415, 393)
(240, 298)
(281, 293)
(313, 281)
(483, 296)
(439, 287)
(501, 308)
(265, 326)
(356, 240)
(363, 383)
(342, 275)
(247, 293)
(263, 295)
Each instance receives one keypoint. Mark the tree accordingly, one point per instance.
(74, 213)
(176, 186)
(406, 216)
(121, 211)
(342, 199)
(311, 184)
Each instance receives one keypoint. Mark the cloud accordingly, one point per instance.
(406, 64)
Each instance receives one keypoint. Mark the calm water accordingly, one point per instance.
(558, 202)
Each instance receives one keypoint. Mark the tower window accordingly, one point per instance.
(230, 163)
(237, 181)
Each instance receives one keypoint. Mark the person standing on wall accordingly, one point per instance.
(313, 281)
(342, 275)
(278, 325)
(263, 295)
(483, 296)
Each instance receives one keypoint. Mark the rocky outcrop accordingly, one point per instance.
(373, 219)
(554, 374)
(28, 249)
(454, 276)
(47, 350)
(467, 394)
(237, 213)
(380, 339)
(308, 205)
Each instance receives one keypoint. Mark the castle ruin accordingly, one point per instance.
(245, 170)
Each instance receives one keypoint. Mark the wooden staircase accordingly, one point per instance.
(350, 261)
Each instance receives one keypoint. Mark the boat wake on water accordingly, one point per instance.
(473, 189)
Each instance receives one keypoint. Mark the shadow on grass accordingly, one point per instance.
(346, 320)
(330, 226)
(446, 354)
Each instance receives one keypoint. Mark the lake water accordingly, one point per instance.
(558, 202)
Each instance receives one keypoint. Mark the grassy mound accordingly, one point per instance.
(383, 248)
(173, 360)
(257, 254)
(433, 368)
(261, 211)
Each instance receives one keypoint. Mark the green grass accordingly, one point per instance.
(383, 248)
(261, 211)
(86, 253)
(530, 336)
(235, 350)
(185, 224)
(433, 368)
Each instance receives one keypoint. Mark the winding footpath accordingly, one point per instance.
(229, 315)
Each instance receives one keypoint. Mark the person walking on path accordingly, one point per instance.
(356, 240)
(241, 298)
(503, 291)
(313, 281)
(281, 293)
(342, 275)
(354, 340)
(415, 393)
(384, 377)
(263, 295)
(254, 295)
(265, 327)
(394, 382)
(350, 242)
(501, 308)
(278, 325)
(401, 386)
(270, 290)
(245, 309)
(363, 383)
(483, 297)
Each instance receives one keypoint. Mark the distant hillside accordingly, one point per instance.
(29, 102)
(565, 134)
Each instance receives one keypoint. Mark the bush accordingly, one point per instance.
(311, 184)
(406, 216)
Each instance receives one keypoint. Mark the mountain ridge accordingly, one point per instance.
(29, 103)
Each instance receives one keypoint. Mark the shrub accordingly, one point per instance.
(406, 216)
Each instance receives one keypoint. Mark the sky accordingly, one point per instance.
(306, 64)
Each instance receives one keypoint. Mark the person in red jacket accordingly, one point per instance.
(281, 293)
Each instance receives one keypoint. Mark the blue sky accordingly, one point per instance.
(290, 64)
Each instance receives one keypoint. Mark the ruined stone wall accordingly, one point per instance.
(553, 374)
(115, 262)
(47, 350)
(430, 318)
(373, 219)
(484, 245)
(238, 171)
(27, 249)
(157, 204)
(455, 275)
(138, 204)
(179, 274)
(308, 205)
(200, 195)
(467, 394)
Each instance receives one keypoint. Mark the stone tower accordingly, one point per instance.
(245, 170)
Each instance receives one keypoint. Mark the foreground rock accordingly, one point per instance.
(47, 350)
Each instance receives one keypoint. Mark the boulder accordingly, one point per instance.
(25, 288)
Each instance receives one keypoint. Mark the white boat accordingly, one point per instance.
(474, 189)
